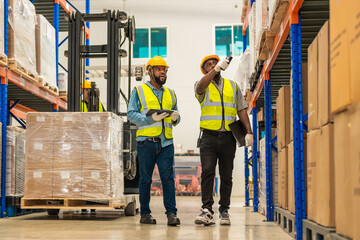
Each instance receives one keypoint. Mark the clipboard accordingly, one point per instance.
(158, 111)
(239, 132)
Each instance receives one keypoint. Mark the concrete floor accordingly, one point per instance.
(109, 225)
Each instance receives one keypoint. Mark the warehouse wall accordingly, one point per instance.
(190, 38)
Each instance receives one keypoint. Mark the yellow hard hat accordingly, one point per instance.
(86, 84)
(207, 57)
(156, 61)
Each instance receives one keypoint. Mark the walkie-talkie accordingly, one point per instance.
(229, 58)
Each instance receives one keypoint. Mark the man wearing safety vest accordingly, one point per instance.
(155, 138)
(220, 100)
(86, 86)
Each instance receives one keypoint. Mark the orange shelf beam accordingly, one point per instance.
(20, 111)
(68, 8)
(280, 38)
(34, 89)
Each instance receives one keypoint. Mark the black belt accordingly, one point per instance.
(153, 139)
(212, 132)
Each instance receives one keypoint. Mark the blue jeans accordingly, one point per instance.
(150, 153)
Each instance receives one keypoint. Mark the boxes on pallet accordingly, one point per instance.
(320, 169)
(304, 95)
(252, 33)
(344, 64)
(277, 10)
(22, 19)
(62, 81)
(15, 161)
(45, 52)
(283, 117)
(262, 21)
(83, 163)
(283, 178)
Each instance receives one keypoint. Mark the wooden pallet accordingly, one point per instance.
(3, 60)
(45, 86)
(334, 236)
(69, 203)
(63, 97)
(314, 231)
(280, 10)
(14, 66)
(286, 220)
(266, 44)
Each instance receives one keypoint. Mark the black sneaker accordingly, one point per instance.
(224, 218)
(205, 217)
(147, 219)
(173, 220)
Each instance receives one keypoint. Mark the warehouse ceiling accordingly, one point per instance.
(314, 13)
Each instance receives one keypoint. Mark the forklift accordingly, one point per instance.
(120, 28)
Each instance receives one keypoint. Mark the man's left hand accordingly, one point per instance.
(174, 116)
(249, 140)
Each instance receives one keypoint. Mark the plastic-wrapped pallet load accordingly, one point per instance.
(242, 75)
(252, 27)
(262, 21)
(15, 161)
(74, 155)
(2, 50)
(22, 20)
(46, 52)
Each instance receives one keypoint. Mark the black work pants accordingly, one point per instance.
(217, 146)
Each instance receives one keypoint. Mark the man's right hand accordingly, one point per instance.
(222, 65)
(158, 117)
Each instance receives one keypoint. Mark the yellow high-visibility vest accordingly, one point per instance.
(148, 100)
(216, 108)
(84, 108)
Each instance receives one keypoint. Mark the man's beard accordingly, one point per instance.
(158, 81)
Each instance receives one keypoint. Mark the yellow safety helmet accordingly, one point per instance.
(156, 61)
(207, 57)
(86, 84)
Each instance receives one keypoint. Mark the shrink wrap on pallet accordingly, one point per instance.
(262, 20)
(242, 75)
(2, 50)
(46, 52)
(252, 29)
(15, 161)
(74, 155)
(22, 20)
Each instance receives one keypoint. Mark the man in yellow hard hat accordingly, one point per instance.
(220, 100)
(154, 137)
(84, 105)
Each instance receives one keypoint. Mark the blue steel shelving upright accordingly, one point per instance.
(290, 24)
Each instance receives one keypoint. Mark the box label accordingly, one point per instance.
(95, 146)
(95, 119)
(65, 174)
(37, 174)
(68, 119)
(95, 175)
(40, 119)
(38, 146)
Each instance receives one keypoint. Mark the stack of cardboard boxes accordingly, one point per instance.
(74, 155)
(320, 167)
(15, 161)
(345, 106)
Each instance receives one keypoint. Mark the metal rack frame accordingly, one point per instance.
(33, 97)
(290, 24)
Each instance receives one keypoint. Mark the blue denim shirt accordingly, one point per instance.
(135, 116)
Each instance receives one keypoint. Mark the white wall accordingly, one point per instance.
(190, 38)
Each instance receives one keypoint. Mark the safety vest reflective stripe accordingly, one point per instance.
(156, 124)
(217, 117)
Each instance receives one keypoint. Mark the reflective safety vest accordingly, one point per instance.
(216, 108)
(148, 100)
(84, 108)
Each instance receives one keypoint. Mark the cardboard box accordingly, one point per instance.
(291, 183)
(67, 184)
(325, 184)
(324, 80)
(39, 128)
(38, 183)
(305, 98)
(68, 155)
(95, 184)
(355, 167)
(39, 154)
(343, 180)
(313, 154)
(353, 24)
(313, 84)
(283, 178)
(283, 116)
(340, 53)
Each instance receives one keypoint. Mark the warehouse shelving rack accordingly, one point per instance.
(15, 90)
(302, 22)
